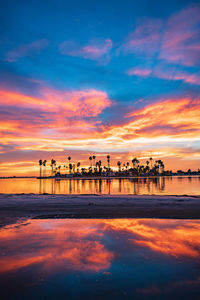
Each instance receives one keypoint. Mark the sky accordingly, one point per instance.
(95, 77)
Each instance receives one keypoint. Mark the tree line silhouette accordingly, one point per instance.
(96, 168)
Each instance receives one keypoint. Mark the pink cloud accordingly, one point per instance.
(175, 41)
(181, 38)
(178, 75)
(139, 72)
(164, 73)
(28, 49)
(95, 50)
(145, 38)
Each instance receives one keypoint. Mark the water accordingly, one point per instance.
(137, 186)
(100, 259)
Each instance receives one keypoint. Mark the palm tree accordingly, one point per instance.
(70, 168)
(90, 158)
(94, 157)
(151, 159)
(127, 165)
(108, 160)
(53, 163)
(59, 167)
(119, 165)
(141, 169)
(78, 165)
(134, 161)
(44, 164)
(99, 165)
(69, 158)
(162, 166)
(40, 164)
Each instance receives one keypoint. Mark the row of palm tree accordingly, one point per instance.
(96, 168)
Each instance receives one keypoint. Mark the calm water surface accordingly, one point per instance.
(148, 186)
(100, 259)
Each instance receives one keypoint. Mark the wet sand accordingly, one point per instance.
(20, 207)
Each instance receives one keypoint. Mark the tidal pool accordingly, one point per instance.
(100, 259)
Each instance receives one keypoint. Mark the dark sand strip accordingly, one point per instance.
(14, 208)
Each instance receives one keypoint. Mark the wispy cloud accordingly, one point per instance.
(28, 49)
(95, 50)
(176, 40)
(139, 72)
(167, 73)
(181, 39)
(144, 39)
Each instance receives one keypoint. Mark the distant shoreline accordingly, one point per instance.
(99, 177)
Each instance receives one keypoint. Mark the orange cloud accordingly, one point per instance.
(60, 121)
(63, 246)
(165, 120)
(88, 103)
(67, 245)
(169, 238)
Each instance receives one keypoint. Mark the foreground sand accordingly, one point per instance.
(14, 208)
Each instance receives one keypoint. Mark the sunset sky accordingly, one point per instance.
(97, 77)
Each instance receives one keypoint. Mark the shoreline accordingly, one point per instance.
(20, 207)
(100, 177)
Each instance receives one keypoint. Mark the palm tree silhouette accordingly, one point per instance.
(69, 158)
(108, 160)
(127, 165)
(40, 164)
(59, 167)
(119, 165)
(53, 163)
(99, 165)
(44, 164)
(90, 158)
(70, 168)
(78, 165)
(151, 159)
(94, 157)
(134, 161)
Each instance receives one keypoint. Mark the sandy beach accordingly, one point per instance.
(20, 207)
